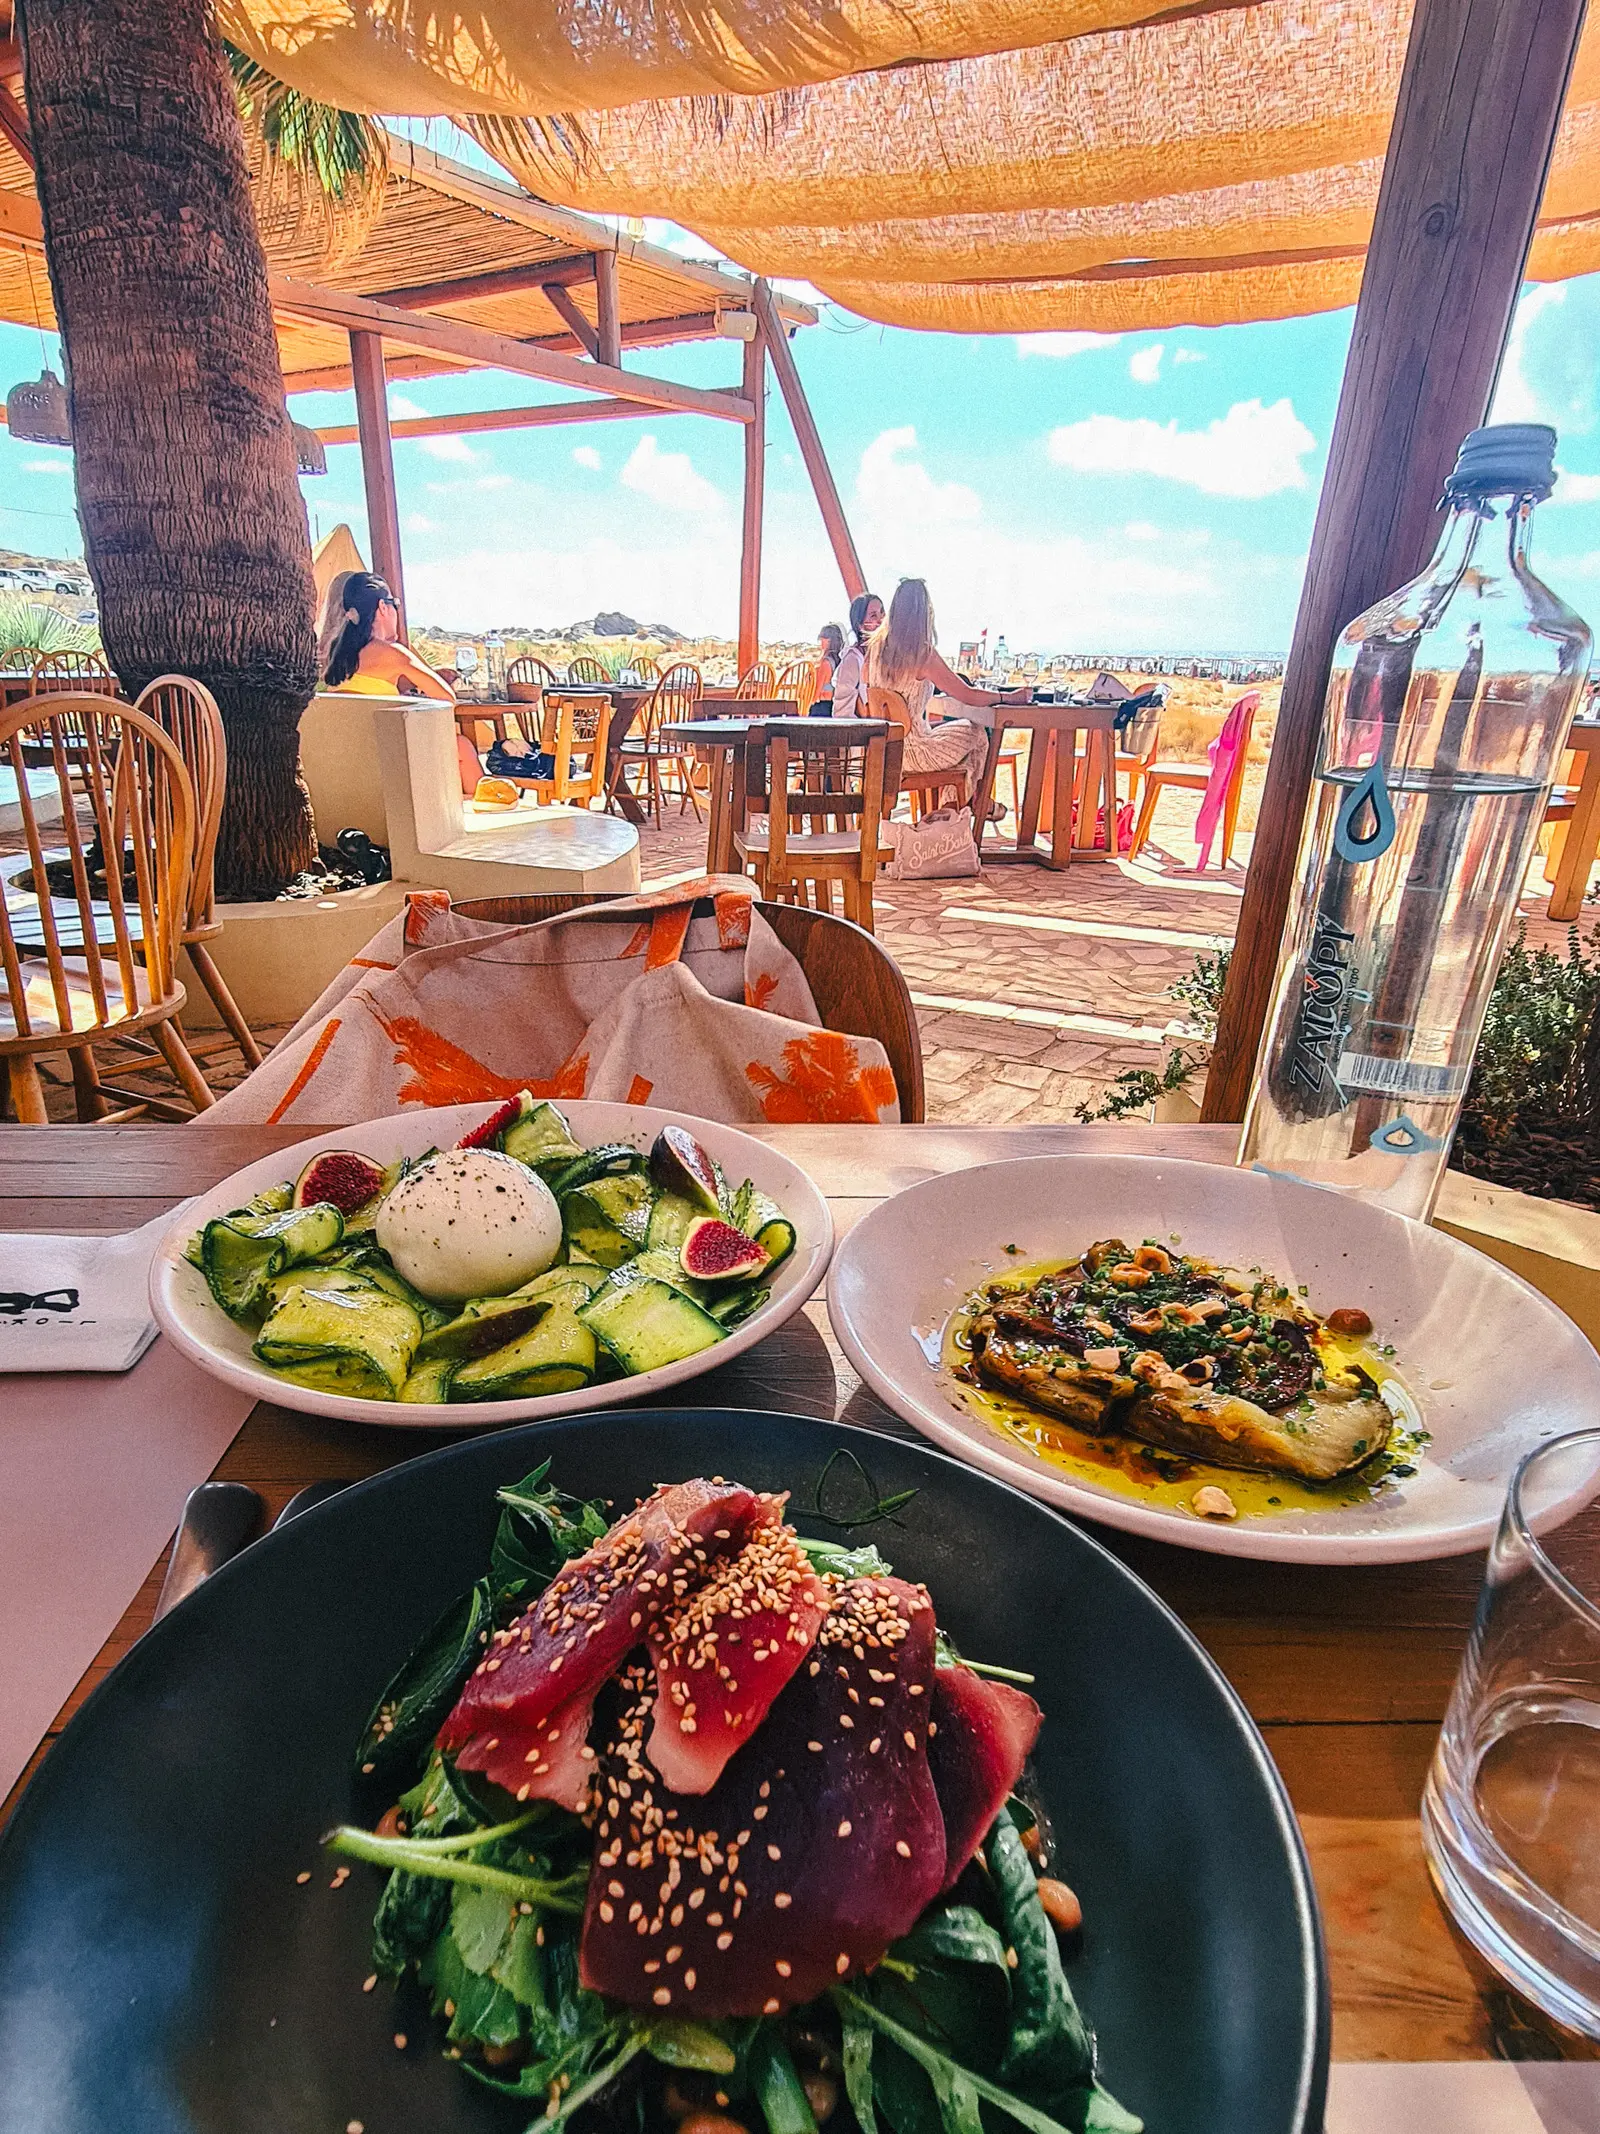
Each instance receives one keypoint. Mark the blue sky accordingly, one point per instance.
(1142, 491)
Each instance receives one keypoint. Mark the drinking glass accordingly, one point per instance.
(1511, 1812)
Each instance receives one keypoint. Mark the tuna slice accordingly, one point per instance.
(983, 1734)
(722, 1657)
(544, 1670)
(821, 1843)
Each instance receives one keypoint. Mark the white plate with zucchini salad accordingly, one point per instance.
(1212, 1357)
(485, 1264)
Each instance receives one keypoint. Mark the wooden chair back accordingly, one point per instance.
(585, 668)
(889, 704)
(799, 680)
(758, 681)
(574, 726)
(674, 698)
(187, 711)
(526, 676)
(855, 982)
(812, 779)
(81, 673)
(127, 775)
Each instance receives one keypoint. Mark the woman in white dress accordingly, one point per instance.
(903, 655)
(850, 675)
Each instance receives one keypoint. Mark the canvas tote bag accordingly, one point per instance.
(636, 1001)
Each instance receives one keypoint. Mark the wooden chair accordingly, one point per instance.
(839, 775)
(855, 982)
(104, 966)
(527, 678)
(758, 681)
(799, 680)
(924, 789)
(81, 673)
(574, 726)
(188, 712)
(1195, 778)
(672, 700)
(585, 669)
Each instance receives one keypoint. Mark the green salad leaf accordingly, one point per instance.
(414, 1705)
(540, 1530)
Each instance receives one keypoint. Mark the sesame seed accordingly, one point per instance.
(815, 1747)
(771, 2007)
(844, 1828)
(399, 2041)
(783, 1900)
(688, 1981)
(910, 1739)
(354, 2126)
(369, 1982)
(773, 1852)
(784, 1970)
(902, 1848)
(304, 1876)
(606, 1912)
(724, 1941)
(662, 1996)
(842, 1962)
(874, 1745)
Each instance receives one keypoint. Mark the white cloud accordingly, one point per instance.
(417, 523)
(403, 410)
(895, 491)
(1063, 344)
(1576, 488)
(1251, 451)
(669, 479)
(1188, 355)
(586, 456)
(1141, 530)
(63, 465)
(1516, 398)
(1144, 367)
(494, 481)
(455, 449)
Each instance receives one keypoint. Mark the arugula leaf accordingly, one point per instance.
(540, 1530)
(414, 1910)
(1051, 2049)
(835, 1560)
(958, 1934)
(480, 1926)
(942, 2069)
(415, 1703)
(478, 2006)
(677, 2042)
(858, 2069)
(778, 2088)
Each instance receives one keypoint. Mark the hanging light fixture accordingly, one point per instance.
(36, 411)
(309, 455)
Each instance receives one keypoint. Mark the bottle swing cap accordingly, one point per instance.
(1507, 458)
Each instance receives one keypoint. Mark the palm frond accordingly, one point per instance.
(317, 173)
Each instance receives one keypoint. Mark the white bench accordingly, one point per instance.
(388, 765)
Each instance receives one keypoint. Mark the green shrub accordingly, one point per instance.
(34, 626)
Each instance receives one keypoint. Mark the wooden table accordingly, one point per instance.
(1570, 879)
(1053, 731)
(1345, 1671)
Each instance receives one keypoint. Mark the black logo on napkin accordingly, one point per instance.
(15, 1302)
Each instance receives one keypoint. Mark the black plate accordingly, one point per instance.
(161, 1972)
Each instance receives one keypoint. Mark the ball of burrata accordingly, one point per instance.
(470, 1223)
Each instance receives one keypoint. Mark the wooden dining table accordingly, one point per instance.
(1569, 879)
(716, 742)
(1346, 1671)
(1077, 744)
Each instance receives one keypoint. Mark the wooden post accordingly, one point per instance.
(754, 389)
(561, 302)
(810, 443)
(1480, 101)
(608, 326)
(377, 461)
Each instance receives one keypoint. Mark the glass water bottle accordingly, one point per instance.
(1447, 711)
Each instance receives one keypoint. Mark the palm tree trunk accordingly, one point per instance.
(194, 528)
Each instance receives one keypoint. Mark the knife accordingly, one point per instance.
(218, 1519)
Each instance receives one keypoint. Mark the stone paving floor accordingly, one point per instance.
(1033, 989)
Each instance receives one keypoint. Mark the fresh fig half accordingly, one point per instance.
(487, 1133)
(344, 1178)
(714, 1251)
(678, 1164)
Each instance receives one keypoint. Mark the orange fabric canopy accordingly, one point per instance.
(954, 164)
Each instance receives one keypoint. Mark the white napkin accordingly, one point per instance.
(76, 1303)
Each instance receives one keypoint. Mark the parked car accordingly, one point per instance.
(75, 588)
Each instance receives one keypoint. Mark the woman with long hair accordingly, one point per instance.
(359, 644)
(902, 654)
(850, 676)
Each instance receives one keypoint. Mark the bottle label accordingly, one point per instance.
(1320, 1022)
(1399, 1078)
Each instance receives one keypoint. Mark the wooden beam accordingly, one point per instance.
(644, 333)
(755, 475)
(424, 166)
(608, 311)
(476, 347)
(475, 420)
(565, 306)
(377, 462)
(335, 377)
(504, 281)
(809, 441)
(638, 333)
(14, 125)
(21, 221)
(1480, 101)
